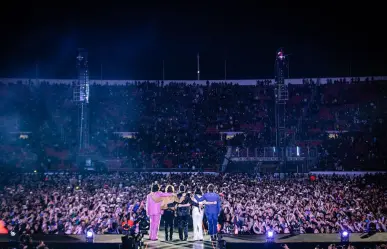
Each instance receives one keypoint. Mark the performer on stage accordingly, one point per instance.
(211, 211)
(153, 210)
(183, 213)
(197, 216)
(169, 206)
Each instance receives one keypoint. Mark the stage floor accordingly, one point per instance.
(237, 241)
(111, 241)
(306, 238)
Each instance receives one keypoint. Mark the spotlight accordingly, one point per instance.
(13, 236)
(344, 236)
(90, 236)
(270, 236)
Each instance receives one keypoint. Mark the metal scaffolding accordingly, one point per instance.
(81, 95)
(281, 97)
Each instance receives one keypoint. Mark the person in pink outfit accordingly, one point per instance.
(153, 210)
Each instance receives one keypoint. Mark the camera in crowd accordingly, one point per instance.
(143, 222)
(132, 241)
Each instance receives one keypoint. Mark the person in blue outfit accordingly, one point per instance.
(211, 211)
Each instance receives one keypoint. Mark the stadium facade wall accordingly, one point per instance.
(199, 82)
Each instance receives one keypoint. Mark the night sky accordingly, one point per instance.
(130, 41)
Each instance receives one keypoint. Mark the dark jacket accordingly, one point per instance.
(184, 211)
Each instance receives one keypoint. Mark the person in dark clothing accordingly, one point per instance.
(183, 213)
(169, 207)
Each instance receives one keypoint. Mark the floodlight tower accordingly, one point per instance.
(281, 97)
(81, 95)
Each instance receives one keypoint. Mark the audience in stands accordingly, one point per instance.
(177, 125)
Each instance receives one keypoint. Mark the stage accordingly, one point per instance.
(113, 241)
(230, 241)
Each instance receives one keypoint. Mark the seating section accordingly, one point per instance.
(177, 125)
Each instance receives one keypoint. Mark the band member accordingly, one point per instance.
(211, 211)
(169, 206)
(153, 210)
(197, 216)
(183, 213)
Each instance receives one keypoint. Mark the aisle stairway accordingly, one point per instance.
(226, 159)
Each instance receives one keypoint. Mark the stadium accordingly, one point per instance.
(300, 159)
(262, 162)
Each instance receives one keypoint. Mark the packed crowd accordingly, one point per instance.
(177, 125)
(251, 204)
